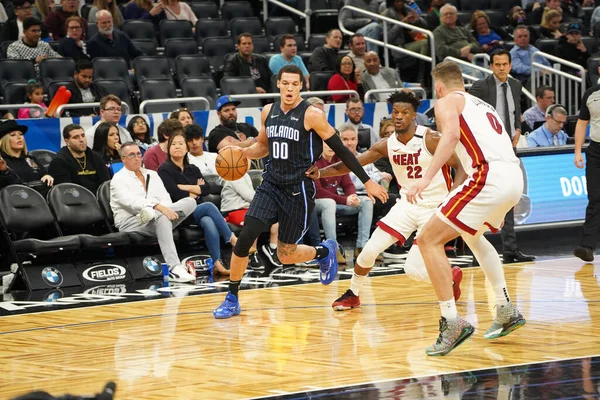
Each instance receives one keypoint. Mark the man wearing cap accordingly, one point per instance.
(230, 132)
(571, 47)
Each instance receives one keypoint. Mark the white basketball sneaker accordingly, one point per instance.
(180, 274)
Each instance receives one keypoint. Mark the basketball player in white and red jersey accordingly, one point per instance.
(410, 153)
(474, 129)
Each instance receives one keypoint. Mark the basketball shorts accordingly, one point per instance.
(290, 205)
(405, 218)
(483, 200)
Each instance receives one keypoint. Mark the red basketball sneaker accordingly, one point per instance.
(346, 302)
(456, 278)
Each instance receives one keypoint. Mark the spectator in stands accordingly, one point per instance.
(235, 201)
(387, 129)
(184, 116)
(56, 20)
(139, 130)
(329, 203)
(571, 47)
(247, 63)
(549, 27)
(13, 28)
(145, 9)
(361, 23)
(489, 38)
(205, 161)
(538, 12)
(73, 45)
(184, 180)
(521, 55)
(22, 166)
(107, 143)
(110, 6)
(551, 132)
(156, 155)
(544, 96)
(377, 77)
(453, 40)
(31, 47)
(433, 17)
(42, 8)
(177, 10)
(77, 163)
(35, 95)
(141, 204)
(230, 132)
(346, 77)
(355, 112)
(324, 58)
(110, 111)
(109, 42)
(83, 90)
(289, 55)
(357, 46)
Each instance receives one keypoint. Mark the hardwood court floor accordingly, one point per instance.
(288, 339)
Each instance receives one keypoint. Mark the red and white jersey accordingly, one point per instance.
(410, 162)
(483, 137)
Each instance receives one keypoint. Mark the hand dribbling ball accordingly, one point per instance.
(231, 164)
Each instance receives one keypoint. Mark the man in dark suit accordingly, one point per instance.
(504, 93)
(83, 90)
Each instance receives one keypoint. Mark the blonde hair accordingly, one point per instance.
(43, 9)
(111, 8)
(383, 125)
(448, 73)
(548, 16)
(5, 146)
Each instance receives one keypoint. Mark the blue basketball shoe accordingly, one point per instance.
(229, 308)
(329, 264)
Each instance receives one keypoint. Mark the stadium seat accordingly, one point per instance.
(275, 26)
(85, 11)
(587, 15)
(245, 25)
(593, 64)
(497, 17)
(78, 213)
(56, 69)
(210, 28)
(117, 87)
(92, 29)
(316, 40)
(547, 45)
(139, 29)
(176, 47)
(240, 85)
(54, 86)
(215, 50)
(174, 29)
(111, 68)
(299, 43)
(151, 89)
(55, 45)
(474, 5)
(464, 18)
(504, 5)
(15, 93)
(192, 66)
(4, 47)
(199, 87)
(205, 9)
(24, 214)
(13, 71)
(44, 156)
(261, 45)
(319, 80)
(146, 46)
(151, 67)
(590, 43)
(236, 9)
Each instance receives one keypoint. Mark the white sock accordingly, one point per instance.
(273, 245)
(448, 309)
(356, 283)
(501, 293)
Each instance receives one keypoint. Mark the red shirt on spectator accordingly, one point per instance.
(327, 188)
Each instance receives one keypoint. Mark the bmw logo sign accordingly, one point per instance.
(52, 276)
(152, 265)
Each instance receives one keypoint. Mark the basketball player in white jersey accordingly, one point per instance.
(494, 186)
(410, 153)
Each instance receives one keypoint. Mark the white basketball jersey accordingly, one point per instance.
(410, 162)
(483, 137)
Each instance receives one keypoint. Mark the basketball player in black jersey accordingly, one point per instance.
(292, 136)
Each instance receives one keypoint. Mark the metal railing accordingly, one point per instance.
(385, 21)
(124, 107)
(568, 88)
(306, 14)
(352, 93)
(176, 100)
(371, 93)
(18, 106)
(481, 59)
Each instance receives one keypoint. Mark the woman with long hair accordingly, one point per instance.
(140, 132)
(346, 77)
(550, 24)
(490, 38)
(73, 45)
(42, 8)
(107, 143)
(111, 7)
(182, 179)
(184, 116)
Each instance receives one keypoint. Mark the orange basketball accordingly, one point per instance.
(231, 164)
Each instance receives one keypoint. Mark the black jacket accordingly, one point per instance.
(121, 46)
(238, 66)
(68, 48)
(569, 51)
(10, 31)
(9, 177)
(220, 132)
(76, 97)
(27, 167)
(65, 168)
(323, 59)
(171, 175)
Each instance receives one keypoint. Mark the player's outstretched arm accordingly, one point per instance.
(259, 149)
(432, 140)
(373, 154)
(315, 119)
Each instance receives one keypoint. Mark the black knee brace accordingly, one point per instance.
(253, 227)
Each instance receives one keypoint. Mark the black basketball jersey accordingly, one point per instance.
(292, 149)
